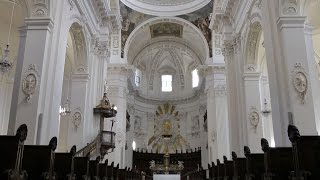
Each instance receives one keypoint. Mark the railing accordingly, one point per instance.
(89, 148)
(101, 144)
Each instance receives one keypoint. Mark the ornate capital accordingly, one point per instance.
(237, 43)
(289, 7)
(220, 90)
(210, 70)
(120, 69)
(40, 8)
(113, 22)
(228, 48)
(101, 47)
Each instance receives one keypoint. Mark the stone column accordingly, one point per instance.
(237, 124)
(253, 110)
(28, 86)
(292, 80)
(217, 113)
(117, 94)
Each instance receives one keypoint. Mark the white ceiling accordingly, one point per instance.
(165, 7)
(192, 39)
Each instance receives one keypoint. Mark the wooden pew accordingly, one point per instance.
(110, 171)
(8, 155)
(103, 170)
(36, 161)
(220, 170)
(214, 170)
(62, 165)
(306, 155)
(239, 165)
(254, 165)
(81, 167)
(122, 173)
(116, 172)
(228, 168)
(94, 168)
(210, 171)
(277, 161)
(11, 152)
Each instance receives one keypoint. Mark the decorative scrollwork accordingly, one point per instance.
(30, 82)
(300, 81)
(254, 117)
(77, 117)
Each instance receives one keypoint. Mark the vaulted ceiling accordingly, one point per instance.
(165, 7)
(175, 44)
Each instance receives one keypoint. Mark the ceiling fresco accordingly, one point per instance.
(132, 18)
(166, 29)
(201, 19)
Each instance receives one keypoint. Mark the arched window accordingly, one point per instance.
(195, 78)
(166, 83)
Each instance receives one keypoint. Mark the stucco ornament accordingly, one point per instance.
(290, 7)
(300, 81)
(30, 82)
(77, 118)
(254, 117)
(40, 8)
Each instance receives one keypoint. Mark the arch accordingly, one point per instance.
(177, 42)
(173, 8)
(75, 20)
(203, 53)
(176, 61)
(80, 53)
(253, 38)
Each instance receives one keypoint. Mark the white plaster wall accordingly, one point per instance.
(7, 79)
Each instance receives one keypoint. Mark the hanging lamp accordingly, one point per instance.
(5, 64)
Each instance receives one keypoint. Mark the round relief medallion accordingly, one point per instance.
(29, 84)
(300, 82)
(254, 118)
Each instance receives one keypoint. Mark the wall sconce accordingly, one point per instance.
(65, 109)
(265, 111)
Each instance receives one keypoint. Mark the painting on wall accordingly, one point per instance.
(201, 19)
(166, 29)
(130, 20)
